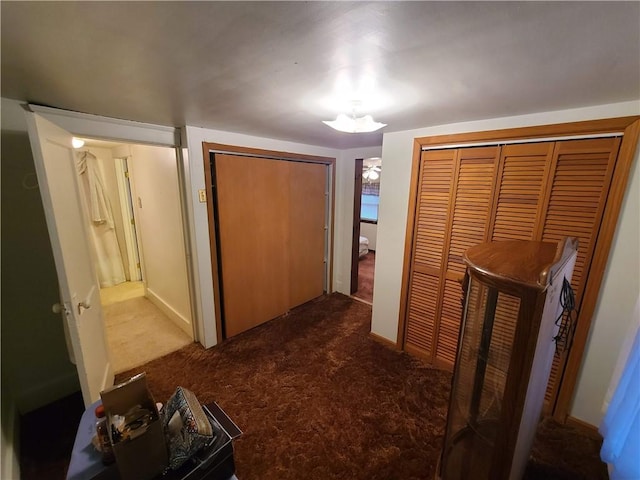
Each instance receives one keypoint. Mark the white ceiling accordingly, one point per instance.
(271, 68)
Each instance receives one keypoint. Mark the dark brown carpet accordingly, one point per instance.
(317, 398)
(365, 277)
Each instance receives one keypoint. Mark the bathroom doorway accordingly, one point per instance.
(136, 228)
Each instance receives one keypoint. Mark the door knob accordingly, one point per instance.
(57, 308)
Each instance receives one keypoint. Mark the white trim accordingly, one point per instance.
(95, 126)
(126, 208)
(520, 140)
(181, 322)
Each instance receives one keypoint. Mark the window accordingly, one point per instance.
(370, 202)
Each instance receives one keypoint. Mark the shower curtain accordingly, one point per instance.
(102, 233)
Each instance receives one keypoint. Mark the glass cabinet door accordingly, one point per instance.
(484, 354)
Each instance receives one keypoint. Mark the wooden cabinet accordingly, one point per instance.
(513, 298)
(512, 190)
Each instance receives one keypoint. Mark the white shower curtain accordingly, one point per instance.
(102, 233)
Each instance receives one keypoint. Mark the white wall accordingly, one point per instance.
(154, 175)
(397, 150)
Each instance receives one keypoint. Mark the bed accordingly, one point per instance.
(364, 247)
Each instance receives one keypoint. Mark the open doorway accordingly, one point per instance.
(133, 209)
(365, 223)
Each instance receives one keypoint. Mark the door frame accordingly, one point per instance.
(357, 210)
(134, 260)
(630, 127)
(207, 149)
(126, 131)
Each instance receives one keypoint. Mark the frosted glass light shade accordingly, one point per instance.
(344, 123)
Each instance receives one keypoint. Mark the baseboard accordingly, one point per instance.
(182, 323)
(384, 341)
(584, 427)
(10, 459)
(48, 391)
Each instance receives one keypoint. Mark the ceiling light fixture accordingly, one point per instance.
(77, 143)
(354, 124)
(372, 173)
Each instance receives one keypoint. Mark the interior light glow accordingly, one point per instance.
(353, 124)
(77, 143)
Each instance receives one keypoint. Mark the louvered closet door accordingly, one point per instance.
(582, 171)
(468, 225)
(444, 228)
(431, 221)
(521, 188)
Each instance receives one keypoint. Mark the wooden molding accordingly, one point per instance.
(408, 244)
(584, 427)
(213, 245)
(590, 296)
(355, 235)
(207, 146)
(588, 127)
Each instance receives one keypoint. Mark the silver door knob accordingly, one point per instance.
(57, 308)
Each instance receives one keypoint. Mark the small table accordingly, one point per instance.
(86, 461)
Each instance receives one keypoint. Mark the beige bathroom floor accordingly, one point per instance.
(137, 331)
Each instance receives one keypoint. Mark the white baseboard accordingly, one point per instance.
(183, 323)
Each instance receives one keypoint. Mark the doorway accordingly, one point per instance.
(138, 249)
(366, 200)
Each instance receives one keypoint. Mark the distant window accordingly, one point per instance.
(370, 202)
(369, 208)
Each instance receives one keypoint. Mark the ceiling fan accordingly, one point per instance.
(371, 173)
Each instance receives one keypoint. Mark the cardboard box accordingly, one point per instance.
(144, 454)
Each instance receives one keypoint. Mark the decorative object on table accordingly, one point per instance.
(186, 426)
(513, 297)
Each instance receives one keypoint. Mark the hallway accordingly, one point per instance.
(136, 330)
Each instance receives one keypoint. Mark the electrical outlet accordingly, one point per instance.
(202, 194)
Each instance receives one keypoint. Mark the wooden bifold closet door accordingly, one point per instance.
(466, 196)
(271, 217)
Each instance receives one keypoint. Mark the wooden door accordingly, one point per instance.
(271, 227)
(253, 226)
(578, 189)
(307, 231)
(456, 190)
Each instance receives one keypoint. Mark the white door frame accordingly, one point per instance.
(94, 126)
(134, 262)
